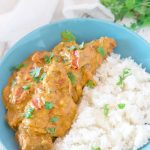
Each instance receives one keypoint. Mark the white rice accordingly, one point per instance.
(122, 129)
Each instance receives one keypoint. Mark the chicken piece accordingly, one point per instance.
(47, 109)
(59, 90)
(33, 141)
(54, 91)
(20, 88)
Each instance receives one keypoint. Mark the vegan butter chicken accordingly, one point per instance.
(42, 94)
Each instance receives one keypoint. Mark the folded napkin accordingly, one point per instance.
(19, 17)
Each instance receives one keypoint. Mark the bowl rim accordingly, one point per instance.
(12, 48)
(63, 21)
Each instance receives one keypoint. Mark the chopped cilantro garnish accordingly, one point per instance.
(136, 9)
(71, 77)
(96, 148)
(51, 130)
(48, 59)
(90, 84)
(67, 36)
(48, 105)
(26, 87)
(13, 83)
(81, 46)
(29, 112)
(101, 51)
(106, 110)
(18, 67)
(42, 76)
(38, 79)
(54, 119)
(121, 106)
(126, 72)
(35, 72)
(72, 48)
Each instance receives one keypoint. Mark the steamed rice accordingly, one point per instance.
(122, 129)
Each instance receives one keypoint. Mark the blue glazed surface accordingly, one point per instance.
(46, 37)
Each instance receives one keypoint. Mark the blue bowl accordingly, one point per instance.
(46, 37)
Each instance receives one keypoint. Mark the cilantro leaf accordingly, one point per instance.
(26, 87)
(13, 83)
(106, 110)
(48, 105)
(18, 67)
(54, 119)
(71, 77)
(96, 148)
(29, 113)
(72, 48)
(67, 36)
(90, 84)
(48, 59)
(51, 130)
(126, 72)
(101, 51)
(42, 76)
(121, 106)
(81, 46)
(139, 10)
(35, 72)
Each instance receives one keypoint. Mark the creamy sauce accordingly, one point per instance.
(41, 97)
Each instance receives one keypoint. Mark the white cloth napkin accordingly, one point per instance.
(19, 17)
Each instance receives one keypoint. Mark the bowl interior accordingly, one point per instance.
(46, 37)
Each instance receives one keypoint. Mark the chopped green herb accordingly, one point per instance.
(71, 77)
(90, 84)
(67, 36)
(48, 59)
(72, 48)
(48, 105)
(101, 51)
(35, 72)
(54, 119)
(57, 58)
(81, 46)
(96, 148)
(126, 72)
(42, 76)
(64, 59)
(106, 110)
(26, 87)
(51, 130)
(13, 83)
(121, 106)
(29, 113)
(139, 10)
(18, 67)
(36, 79)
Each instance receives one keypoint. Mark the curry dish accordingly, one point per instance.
(42, 94)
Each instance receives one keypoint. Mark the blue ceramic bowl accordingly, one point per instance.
(46, 37)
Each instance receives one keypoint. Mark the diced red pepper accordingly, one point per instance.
(75, 61)
(61, 81)
(20, 95)
(37, 103)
